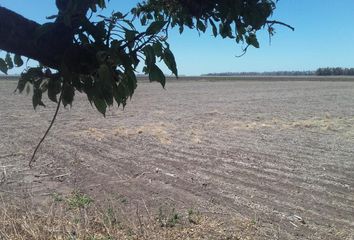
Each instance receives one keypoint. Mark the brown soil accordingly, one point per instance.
(277, 153)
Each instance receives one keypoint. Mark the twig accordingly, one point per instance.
(138, 48)
(41, 175)
(3, 178)
(46, 133)
(140, 222)
(62, 175)
(244, 51)
(168, 25)
(7, 166)
(9, 192)
(141, 174)
(10, 155)
(280, 23)
(147, 210)
(293, 224)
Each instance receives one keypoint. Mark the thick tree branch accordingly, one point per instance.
(18, 35)
(24, 37)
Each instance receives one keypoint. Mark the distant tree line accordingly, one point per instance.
(328, 71)
(274, 73)
(335, 71)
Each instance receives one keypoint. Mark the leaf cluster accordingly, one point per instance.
(10, 62)
(117, 48)
(234, 19)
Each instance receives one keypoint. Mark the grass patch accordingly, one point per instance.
(168, 218)
(79, 200)
(78, 217)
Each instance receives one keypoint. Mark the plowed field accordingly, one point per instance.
(278, 152)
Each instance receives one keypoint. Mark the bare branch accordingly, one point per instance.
(48, 129)
(280, 23)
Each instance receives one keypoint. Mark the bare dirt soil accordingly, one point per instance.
(278, 153)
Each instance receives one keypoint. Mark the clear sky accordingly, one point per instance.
(324, 36)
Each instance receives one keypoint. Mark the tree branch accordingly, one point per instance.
(47, 131)
(17, 35)
(24, 37)
(280, 23)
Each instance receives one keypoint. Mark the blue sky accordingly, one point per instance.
(324, 36)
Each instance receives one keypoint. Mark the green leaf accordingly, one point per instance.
(239, 38)
(155, 27)
(100, 104)
(54, 88)
(32, 74)
(201, 26)
(157, 49)
(130, 35)
(181, 29)
(225, 30)
(143, 20)
(100, 29)
(119, 94)
(252, 40)
(37, 98)
(88, 87)
(3, 66)
(106, 81)
(68, 95)
(118, 15)
(240, 28)
(101, 3)
(21, 83)
(170, 61)
(18, 60)
(105, 75)
(44, 85)
(28, 88)
(157, 75)
(8, 61)
(215, 30)
(131, 81)
(150, 58)
(93, 8)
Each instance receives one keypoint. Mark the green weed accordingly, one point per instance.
(79, 200)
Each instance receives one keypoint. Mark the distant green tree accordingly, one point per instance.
(336, 71)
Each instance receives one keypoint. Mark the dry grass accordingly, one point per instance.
(77, 216)
(161, 131)
(326, 123)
